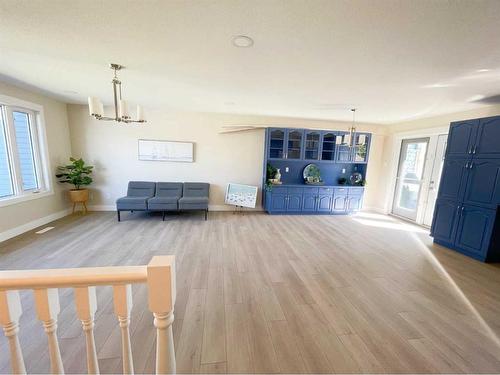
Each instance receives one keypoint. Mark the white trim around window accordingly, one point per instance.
(36, 140)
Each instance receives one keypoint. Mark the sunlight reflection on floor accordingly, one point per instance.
(432, 258)
(390, 224)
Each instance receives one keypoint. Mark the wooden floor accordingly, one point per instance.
(270, 294)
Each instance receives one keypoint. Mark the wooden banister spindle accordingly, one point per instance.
(161, 298)
(122, 299)
(10, 312)
(86, 306)
(47, 309)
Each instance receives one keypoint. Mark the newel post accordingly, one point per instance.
(10, 312)
(161, 298)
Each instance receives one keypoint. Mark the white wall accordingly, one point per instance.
(219, 158)
(19, 217)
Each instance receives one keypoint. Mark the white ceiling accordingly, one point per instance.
(393, 60)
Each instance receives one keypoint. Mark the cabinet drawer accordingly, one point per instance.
(325, 190)
(279, 190)
(311, 190)
(295, 190)
(355, 191)
(340, 191)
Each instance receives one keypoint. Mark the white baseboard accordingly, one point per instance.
(379, 210)
(102, 207)
(32, 225)
(212, 207)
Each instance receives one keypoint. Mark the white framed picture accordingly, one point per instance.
(241, 195)
(154, 150)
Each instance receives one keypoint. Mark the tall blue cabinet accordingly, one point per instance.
(467, 215)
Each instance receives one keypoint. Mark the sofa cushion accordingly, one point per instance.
(163, 203)
(195, 189)
(169, 189)
(193, 203)
(132, 203)
(141, 189)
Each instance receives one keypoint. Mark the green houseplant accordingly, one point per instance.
(270, 173)
(77, 174)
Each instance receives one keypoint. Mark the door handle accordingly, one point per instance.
(470, 150)
(471, 164)
(467, 165)
(474, 151)
(462, 211)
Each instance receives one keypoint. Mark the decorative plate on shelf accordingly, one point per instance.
(356, 178)
(312, 174)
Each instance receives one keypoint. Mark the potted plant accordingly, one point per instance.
(78, 175)
(270, 175)
(342, 181)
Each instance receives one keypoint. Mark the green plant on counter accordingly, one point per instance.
(270, 174)
(361, 183)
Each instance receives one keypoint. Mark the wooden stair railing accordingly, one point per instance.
(159, 275)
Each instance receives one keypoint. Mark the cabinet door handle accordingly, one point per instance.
(462, 211)
(474, 151)
(471, 164)
(470, 150)
(458, 208)
(467, 165)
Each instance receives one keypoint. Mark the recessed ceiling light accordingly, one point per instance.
(242, 41)
(483, 70)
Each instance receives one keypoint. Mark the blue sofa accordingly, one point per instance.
(164, 197)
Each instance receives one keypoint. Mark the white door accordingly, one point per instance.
(410, 177)
(435, 178)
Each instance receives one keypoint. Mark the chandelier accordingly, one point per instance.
(351, 139)
(122, 114)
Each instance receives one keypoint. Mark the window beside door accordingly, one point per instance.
(22, 167)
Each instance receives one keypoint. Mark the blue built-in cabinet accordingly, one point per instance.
(291, 150)
(466, 216)
(310, 199)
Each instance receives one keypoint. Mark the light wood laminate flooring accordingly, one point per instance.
(274, 294)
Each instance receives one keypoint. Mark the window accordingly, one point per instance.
(22, 171)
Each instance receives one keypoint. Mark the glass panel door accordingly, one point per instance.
(312, 146)
(294, 147)
(409, 178)
(328, 147)
(344, 151)
(360, 148)
(276, 144)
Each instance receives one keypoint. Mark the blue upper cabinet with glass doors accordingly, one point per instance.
(312, 144)
(285, 143)
(344, 151)
(317, 145)
(360, 147)
(294, 144)
(328, 145)
(276, 144)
